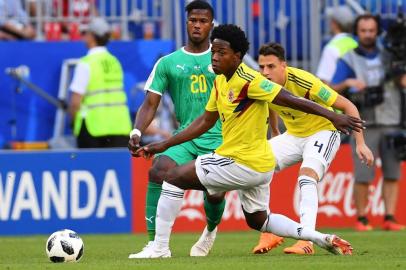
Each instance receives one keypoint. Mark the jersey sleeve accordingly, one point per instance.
(323, 94)
(158, 79)
(80, 78)
(263, 89)
(211, 105)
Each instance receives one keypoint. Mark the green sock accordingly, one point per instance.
(153, 193)
(214, 212)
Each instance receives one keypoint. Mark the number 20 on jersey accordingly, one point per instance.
(198, 84)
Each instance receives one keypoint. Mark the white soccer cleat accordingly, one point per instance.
(203, 246)
(150, 251)
(338, 246)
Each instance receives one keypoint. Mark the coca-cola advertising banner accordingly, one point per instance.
(336, 208)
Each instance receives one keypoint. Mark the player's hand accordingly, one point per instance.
(134, 145)
(365, 154)
(355, 83)
(346, 123)
(275, 132)
(149, 150)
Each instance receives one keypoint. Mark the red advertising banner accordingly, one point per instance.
(336, 208)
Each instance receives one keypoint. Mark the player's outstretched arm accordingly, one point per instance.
(343, 123)
(274, 123)
(363, 151)
(201, 124)
(144, 117)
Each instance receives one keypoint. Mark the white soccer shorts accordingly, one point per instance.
(316, 151)
(219, 174)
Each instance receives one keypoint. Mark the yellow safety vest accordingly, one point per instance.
(344, 44)
(104, 105)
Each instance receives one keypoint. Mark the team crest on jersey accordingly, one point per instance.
(230, 95)
(210, 68)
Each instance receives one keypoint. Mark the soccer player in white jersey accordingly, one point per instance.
(309, 138)
(244, 161)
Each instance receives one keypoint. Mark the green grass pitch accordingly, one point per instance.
(373, 250)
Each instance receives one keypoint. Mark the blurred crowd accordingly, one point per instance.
(62, 19)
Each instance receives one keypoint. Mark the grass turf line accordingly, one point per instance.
(373, 250)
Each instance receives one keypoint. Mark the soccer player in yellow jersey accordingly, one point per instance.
(244, 161)
(309, 138)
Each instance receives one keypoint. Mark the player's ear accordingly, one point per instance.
(284, 64)
(238, 55)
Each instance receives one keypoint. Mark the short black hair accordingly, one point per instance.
(273, 48)
(233, 35)
(199, 4)
(102, 40)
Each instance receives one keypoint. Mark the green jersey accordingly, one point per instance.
(189, 79)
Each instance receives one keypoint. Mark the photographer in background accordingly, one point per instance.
(360, 75)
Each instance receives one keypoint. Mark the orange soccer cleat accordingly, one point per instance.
(391, 225)
(301, 247)
(361, 227)
(267, 241)
(338, 246)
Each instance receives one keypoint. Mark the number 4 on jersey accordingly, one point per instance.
(320, 146)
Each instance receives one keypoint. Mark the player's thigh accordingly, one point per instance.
(172, 157)
(185, 177)
(255, 199)
(181, 153)
(219, 174)
(319, 151)
(287, 150)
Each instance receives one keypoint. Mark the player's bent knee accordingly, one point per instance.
(313, 168)
(156, 176)
(158, 173)
(255, 220)
(215, 198)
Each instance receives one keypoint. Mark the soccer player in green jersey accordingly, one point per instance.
(188, 76)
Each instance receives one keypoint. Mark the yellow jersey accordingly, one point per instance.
(242, 104)
(304, 84)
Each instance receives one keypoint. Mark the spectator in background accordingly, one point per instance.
(98, 103)
(360, 72)
(14, 21)
(341, 20)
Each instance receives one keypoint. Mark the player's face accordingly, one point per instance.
(199, 24)
(272, 68)
(223, 59)
(367, 32)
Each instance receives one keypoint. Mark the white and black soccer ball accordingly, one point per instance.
(64, 246)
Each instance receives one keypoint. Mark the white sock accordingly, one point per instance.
(169, 205)
(308, 201)
(285, 227)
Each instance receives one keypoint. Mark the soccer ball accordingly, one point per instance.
(64, 246)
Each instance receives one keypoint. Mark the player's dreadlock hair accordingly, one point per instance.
(273, 48)
(199, 4)
(233, 35)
